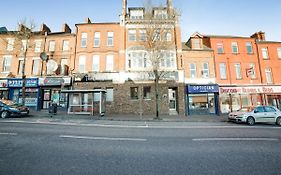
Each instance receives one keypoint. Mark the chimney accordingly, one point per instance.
(88, 20)
(124, 7)
(170, 6)
(66, 28)
(45, 28)
(259, 36)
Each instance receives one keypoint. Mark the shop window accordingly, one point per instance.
(146, 92)
(134, 93)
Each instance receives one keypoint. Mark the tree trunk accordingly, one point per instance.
(156, 84)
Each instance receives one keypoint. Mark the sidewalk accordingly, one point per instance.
(63, 116)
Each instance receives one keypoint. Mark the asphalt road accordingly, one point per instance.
(59, 149)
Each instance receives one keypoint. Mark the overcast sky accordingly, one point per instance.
(217, 17)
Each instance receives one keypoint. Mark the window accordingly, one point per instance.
(279, 52)
(65, 45)
(157, 36)
(264, 53)
(196, 43)
(20, 66)
(249, 47)
(167, 60)
(97, 39)
(269, 109)
(136, 14)
(109, 94)
(205, 72)
(82, 64)
(268, 75)
(96, 63)
(64, 64)
(160, 14)
(234, 47)
(37, 46)
(132, 35)
(223, 71)
(10, 44)
(252, 71)
(238, 70)
(192, 68)
(134, 93)
(168, 36)
(52, 46)
(7, 62)
(220, 48)
(24, 45)
(110, 38)
(36, 66)
(84, 39)
(109, 63)
(143, 36)
(259, 109)
(147, 92)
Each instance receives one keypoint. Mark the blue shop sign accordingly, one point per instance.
(203, 88)
(17, 82)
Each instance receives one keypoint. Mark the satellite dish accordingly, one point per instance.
(52, 65)
(43, 56)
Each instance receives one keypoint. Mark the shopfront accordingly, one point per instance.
(31, 91)
(235, 98)
(91, 102)
(4, 91)
(50, 91)
(202, 99)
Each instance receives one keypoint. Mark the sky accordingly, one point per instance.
(212, 17)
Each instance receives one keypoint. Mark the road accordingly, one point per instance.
(61, 149)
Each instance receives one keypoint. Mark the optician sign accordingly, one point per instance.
(203, 88)
(17, 82)
(250, 90)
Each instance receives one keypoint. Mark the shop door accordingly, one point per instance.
(172, 101)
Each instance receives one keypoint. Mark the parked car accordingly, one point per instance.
(9, 108)
(267, 114)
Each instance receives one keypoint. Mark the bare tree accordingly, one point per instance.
(20, 44)
(158, 25)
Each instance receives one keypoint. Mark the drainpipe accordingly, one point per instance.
(260, 70)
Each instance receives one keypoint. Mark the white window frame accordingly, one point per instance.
(97, 39)
(96, 63)
(63, 62)
(223, 73)
(7, 63)
(192, 70)
(238, 71)
(220, 46)
(84, 37)
(234, 45)
(36, 64)
(65, 45)
(264, 51)
(206, 70)
(109, 94)
(249, 45)
(52, 46)
(253, 67)
(110, 39)
(196, 43)
(279, 52)
(82, 64)
(38, 44)
(132, 35)
(268, 75)
(109, 63)
(143, 36)
(10, 44)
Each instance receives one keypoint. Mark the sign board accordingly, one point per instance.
(250, 90)
(17, 82)
(55, 81)
(213, 88)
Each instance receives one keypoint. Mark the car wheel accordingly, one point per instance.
(278, 121)
(250, 121)
(5, 114)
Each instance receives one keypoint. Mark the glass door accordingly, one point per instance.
(172, 100)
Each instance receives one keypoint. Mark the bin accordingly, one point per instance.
(53, 108)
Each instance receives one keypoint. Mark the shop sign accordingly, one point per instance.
(203, 88)
(16, 82)
(3, 83)
(54, 81)
(250, 90)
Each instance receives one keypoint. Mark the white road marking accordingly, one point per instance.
(8, 133)
(103, 138)
(235, 139)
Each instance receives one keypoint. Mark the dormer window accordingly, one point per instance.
(136, 14)
(160, 14)
(196, 43)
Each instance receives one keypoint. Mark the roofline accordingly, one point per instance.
(102, 23)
